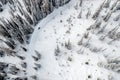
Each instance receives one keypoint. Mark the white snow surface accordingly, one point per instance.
(79, 63)
(54, 30)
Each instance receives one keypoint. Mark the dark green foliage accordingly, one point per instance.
(68, 45)
(57, 51)
(2, 53)
(2, 77)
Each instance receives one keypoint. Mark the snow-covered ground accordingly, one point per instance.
(70, 45)
(87, 58)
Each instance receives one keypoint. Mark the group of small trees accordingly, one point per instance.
(106, 4)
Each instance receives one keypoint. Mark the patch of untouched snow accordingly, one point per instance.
(5, 13)
(59, 27)
(34, 38)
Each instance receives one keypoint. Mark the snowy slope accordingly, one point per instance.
(87, 57)
(71, 43)
(17, 23)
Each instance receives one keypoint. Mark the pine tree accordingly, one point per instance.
(68, 45)
(96, 14)
(57, 51)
